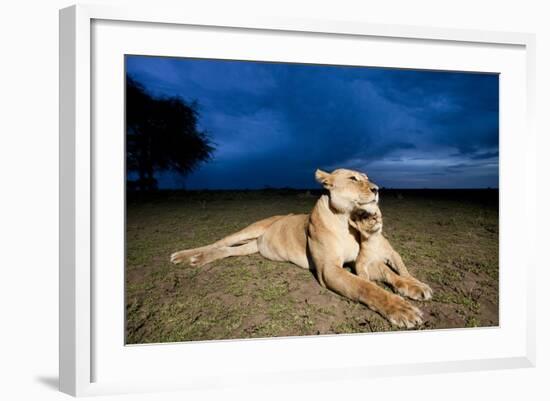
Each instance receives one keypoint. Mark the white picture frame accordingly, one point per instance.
(82, 343)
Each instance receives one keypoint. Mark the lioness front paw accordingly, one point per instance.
(403, 314)
(414, 289)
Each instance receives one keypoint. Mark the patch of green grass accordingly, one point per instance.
(237, 280)
(457, 299)
(269, 328)
(472, 321)
(442, 276)
(273, 291)
(347, 327)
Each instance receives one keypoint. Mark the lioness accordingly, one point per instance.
(377, 260)
(321, 241)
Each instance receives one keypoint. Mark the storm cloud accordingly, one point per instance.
(275, 123)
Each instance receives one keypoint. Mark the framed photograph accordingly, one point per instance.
(270, 200)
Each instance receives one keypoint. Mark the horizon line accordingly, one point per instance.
(315, 189)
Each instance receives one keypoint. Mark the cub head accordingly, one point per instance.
(367, 220)
(348, 189)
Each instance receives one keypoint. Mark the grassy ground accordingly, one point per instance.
(449, 239)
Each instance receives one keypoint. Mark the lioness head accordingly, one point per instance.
(348, 189)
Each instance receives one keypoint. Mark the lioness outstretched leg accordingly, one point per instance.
(405, 285)
(243, 236)
(213, 254)
(391, 306)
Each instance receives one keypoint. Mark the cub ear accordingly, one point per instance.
(323, 178)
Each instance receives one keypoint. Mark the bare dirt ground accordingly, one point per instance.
(448, 239)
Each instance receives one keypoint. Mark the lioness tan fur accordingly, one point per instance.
(321, 241)
(377, 260)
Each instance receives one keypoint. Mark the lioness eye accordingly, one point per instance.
(353, 178)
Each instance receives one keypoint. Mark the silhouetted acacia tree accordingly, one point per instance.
(161, 135)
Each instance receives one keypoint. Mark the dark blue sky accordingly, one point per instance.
(274, 124)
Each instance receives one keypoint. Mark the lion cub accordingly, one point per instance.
(377, 260)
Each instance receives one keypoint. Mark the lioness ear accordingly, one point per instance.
(323, 178)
